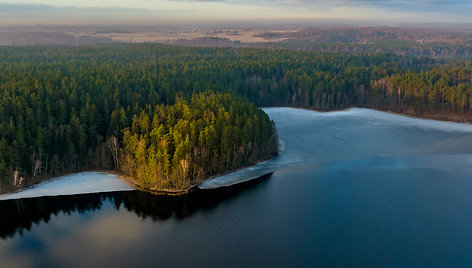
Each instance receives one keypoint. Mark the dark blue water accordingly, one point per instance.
(385, 206)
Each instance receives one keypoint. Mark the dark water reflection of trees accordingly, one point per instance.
(18, 216)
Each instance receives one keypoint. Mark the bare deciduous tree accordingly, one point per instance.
(114, 147)
(36, 158)
(17, 179)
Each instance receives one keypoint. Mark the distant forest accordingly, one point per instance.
(425, 42)
(169, 117)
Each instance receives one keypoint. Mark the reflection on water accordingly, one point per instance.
(19, 215)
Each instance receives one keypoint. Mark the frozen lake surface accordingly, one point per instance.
(315, 138)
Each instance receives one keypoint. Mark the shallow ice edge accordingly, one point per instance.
(78, 183)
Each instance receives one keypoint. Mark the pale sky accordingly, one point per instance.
(188, 11)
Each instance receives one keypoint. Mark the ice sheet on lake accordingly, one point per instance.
(240, 176)
(371, 116)
(318, 138)
(80, 183)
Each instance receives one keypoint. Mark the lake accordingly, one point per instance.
(352, 188)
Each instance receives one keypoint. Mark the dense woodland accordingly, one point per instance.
(169, 117)
(172, 147)
(125, 109)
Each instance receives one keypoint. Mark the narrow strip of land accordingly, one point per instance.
(79, 183)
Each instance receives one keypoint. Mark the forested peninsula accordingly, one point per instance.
(168, 117)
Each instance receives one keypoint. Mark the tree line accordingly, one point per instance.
(171, 116)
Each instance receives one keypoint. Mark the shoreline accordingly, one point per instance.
(406, 114)
(48, 179)
(131, 182)
(73, 184)
(191, 188)
(194, 187)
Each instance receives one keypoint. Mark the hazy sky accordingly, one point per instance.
(185, 11)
